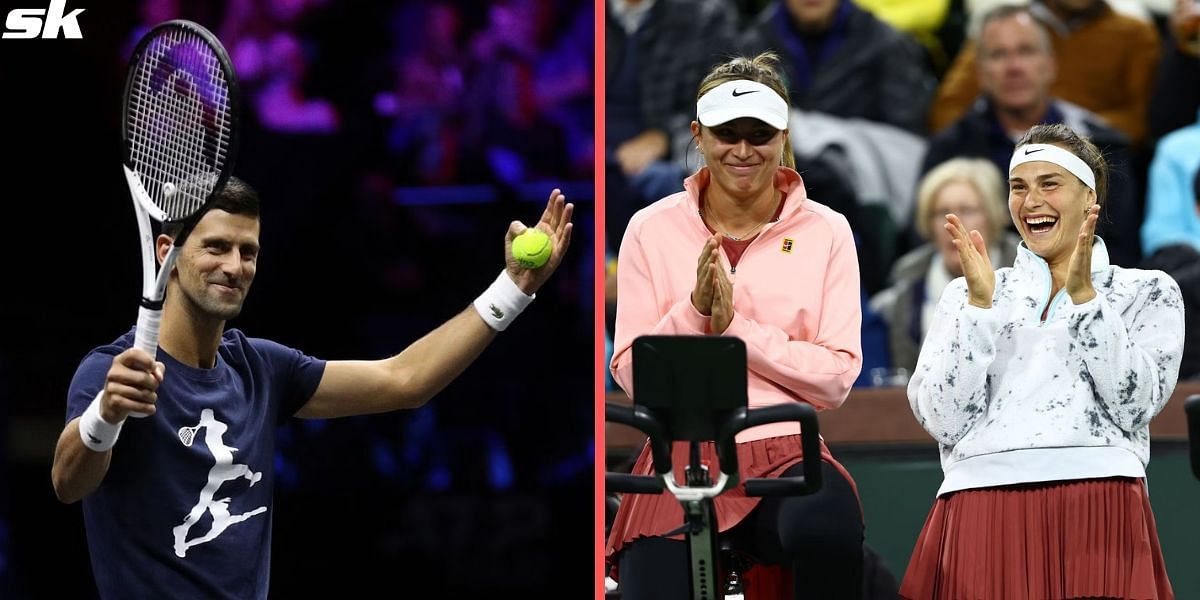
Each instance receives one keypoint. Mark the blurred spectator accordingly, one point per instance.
(424, 105)
(271, 65)
(1181, 261)
(1170, 211)
(1015, 66)
(656, 53)
(1106, 64)
(566, 73)
(505, 133)
(865, 170)
(919, 18)
(969, 188)
(840, 60)
(503, 99)
(1176, 95)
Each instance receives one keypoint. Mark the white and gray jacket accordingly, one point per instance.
(1011, 398)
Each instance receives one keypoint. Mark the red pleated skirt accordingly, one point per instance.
(1091, 538)
(649, 515)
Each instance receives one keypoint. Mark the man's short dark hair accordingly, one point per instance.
(237, 197)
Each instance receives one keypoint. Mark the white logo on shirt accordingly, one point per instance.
(223, 470)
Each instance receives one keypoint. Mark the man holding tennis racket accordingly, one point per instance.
(181, 506)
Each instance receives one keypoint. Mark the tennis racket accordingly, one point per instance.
(179, 128)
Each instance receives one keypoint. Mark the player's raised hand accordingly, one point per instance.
(555, 223)
(1079, 272)
(131, 385)
(977, 266)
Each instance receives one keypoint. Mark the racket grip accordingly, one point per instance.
(145, 337)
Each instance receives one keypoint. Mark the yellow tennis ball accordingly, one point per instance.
(532, 248)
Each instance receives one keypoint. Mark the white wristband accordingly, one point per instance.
(98, 434)
(502, 302)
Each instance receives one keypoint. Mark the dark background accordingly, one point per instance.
(370, 239)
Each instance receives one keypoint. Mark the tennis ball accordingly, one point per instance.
(532, 248)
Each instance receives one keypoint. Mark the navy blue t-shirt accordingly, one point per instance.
(186, 507)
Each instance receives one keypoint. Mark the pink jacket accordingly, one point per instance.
(796, 296)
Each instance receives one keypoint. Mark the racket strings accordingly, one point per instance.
(179, 121)
(161, 167)
(192, 124)
(190, 133)
(175, 163)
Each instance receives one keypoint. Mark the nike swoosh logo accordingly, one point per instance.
(737, 93)
(95, 440)
(1029, 151)
(499, 314)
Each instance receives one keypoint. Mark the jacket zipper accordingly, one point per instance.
(732, 268)
(1054, 302)
(1051, 303)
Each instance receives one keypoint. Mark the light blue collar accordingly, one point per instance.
(1034, 266)
(1029, 262)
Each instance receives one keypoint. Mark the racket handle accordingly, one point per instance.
(145, 337)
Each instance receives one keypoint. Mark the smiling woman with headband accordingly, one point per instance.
(1039, 383)
(743, 252)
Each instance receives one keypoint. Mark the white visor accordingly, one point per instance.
(1053, 154)
(742, 98)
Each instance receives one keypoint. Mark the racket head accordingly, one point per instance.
(180, 119)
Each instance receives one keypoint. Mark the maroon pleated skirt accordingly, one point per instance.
(647, 515)
(1090, 538)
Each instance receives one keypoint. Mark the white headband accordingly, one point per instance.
(1053, 154)
(742, 98)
